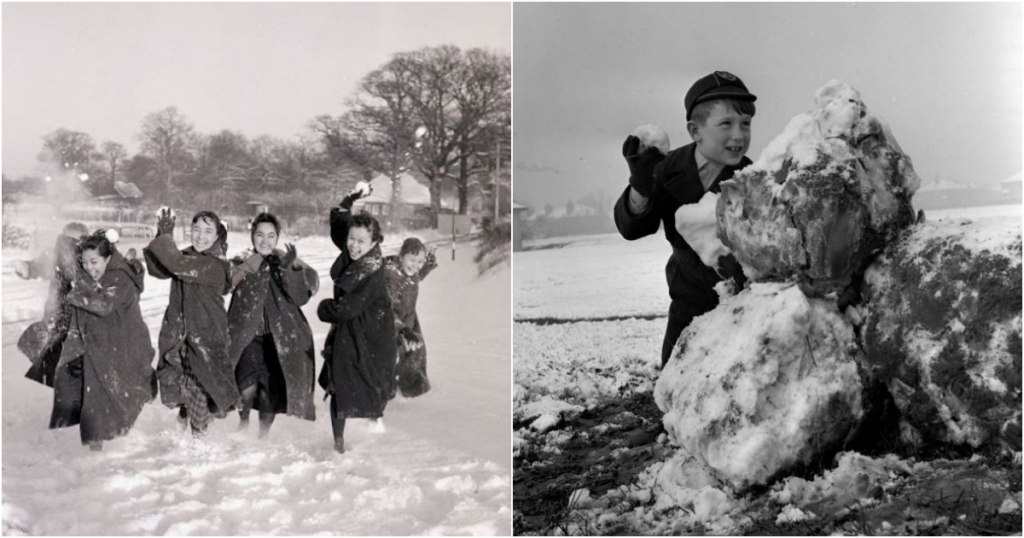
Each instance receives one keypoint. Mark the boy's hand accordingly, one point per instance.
(641, 165)
(165, 224)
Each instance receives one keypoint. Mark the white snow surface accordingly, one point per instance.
(592, 277)
(441, 467)
(756, 383)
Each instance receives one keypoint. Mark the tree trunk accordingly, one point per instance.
(395, 209)
(463, 183)
(435, 200)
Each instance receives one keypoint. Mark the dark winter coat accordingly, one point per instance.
(109, 337)
(411, 371)
(278, 294)
(676, 183)
(360, 351)
(196, 322)
(41, 341)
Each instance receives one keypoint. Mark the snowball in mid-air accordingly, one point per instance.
(420, 131)
(83, 177)
(112, 235)
(652, 135)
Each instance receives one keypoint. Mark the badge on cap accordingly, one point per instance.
(726, 75)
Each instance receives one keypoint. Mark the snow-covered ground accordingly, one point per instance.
(441, 467)
(574, 353)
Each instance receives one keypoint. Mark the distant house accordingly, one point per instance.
(414, 194)
(518, 226)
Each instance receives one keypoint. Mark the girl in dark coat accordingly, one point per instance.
(105, 373)
(42, 341)
(195, 372)
(271, 342)
(359, 365)
(404, 273)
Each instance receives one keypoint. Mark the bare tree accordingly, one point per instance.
(168, 137)
(71, 151)
(111, 158)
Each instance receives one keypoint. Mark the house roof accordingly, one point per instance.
(413, 192)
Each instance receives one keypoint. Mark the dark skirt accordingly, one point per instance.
(412, 372)
(260, 366)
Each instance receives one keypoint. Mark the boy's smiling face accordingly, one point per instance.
(725, 137)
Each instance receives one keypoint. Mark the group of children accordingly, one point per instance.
(93, 346)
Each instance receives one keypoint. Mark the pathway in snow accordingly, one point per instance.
(441, 467)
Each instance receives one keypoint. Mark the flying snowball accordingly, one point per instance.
(420, 131)
(652, 135)
(48, 179)
(112, 235)
(83, 177)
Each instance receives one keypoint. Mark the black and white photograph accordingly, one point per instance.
(257, 268)
(767, 269)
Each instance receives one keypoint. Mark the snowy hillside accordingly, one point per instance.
(441, 467)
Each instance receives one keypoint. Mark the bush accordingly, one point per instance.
(15, 236)
(495, 246)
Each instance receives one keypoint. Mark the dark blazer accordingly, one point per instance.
(676, 183)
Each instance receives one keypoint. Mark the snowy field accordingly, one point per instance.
(441, 467)
(590, 313)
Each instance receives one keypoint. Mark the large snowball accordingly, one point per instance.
(766, 381)
(944, 328)
(824, 196)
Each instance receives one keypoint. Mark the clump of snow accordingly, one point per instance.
(765, 381)
(652, 136)
(792, 514)
(853, 480)
(822, 198)
(698, 224)
(944, 318)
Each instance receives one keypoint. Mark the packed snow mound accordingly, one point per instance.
(698, 224)
(764, 382)
(943, 328)
(652, 136)
(825, 195)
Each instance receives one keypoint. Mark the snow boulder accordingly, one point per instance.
(825, 195)
(943, 329)
(762, 384)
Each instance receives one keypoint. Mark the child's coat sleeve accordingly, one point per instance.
(341, 216)
(202, 270)
(300, 283)
(104, 300)
(632, 226)
(353, 304)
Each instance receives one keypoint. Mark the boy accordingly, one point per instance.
(718, 115)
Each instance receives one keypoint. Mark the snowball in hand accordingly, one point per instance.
(652, 135)
(160, 212)
(363, 188)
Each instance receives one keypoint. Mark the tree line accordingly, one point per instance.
(442, 113)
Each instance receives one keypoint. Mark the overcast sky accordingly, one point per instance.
(256, 68)
(946, 77)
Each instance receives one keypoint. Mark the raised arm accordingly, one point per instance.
(202, 270)
(428, 265)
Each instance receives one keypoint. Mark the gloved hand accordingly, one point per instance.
(351, 197)
(410, 341)
(165, 224)
(22, 269)
(431, 261)
(641, 165)
(290, 255)
(728, 267)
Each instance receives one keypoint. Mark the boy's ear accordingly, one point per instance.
(694, 129)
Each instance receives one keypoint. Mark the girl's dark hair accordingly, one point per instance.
(97, 241)
(265, 217)
(207, 216)
(702, 110)
(412, 245)
(363, 220)
(75, 229)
